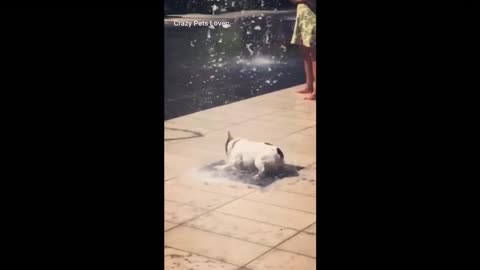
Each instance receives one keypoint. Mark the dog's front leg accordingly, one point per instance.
(224, 167)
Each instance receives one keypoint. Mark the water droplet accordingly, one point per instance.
(258, 28)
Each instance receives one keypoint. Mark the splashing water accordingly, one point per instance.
(214, 8)
(267, 37)
(262, 61)
(249, 49)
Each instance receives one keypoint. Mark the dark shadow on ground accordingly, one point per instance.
(195, 134)
(247, 176)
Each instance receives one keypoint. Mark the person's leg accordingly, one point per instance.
(313, 56)
(307, 63)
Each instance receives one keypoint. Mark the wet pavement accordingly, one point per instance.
(207, 67)
(215, 221)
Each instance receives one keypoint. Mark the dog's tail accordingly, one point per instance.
(280, 153)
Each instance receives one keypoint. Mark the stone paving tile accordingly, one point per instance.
(269, 213)
(283, 260)
(305, 183)
(168, 225)
(312, 229)
(243, 229)
(295, 158)
(305, 107)
(213, 142)
(297, 114)
(168, 173)
(302, 243)
(285, 199)
(179, 164)
(283, 121)
(296, 185)
(203, 181)
(181, 260)
(297, 100)
(221, 114)
(252, 108)
(174, 134)
(297, 144)
(219, 247)
(309, 132)
(263, 130)
(194, 197)
(193, 124)
(178, 213)
(194, 152)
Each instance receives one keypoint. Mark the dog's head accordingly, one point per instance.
(229, 139)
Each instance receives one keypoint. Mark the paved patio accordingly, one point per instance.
(217, 223)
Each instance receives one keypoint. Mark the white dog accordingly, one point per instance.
(244, 154)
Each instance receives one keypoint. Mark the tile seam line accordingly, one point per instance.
(298, 131)
(165, 246)
(255, 189)
(225, 235)
(185, 185)
(243, 240)
(303, 211)
(242, 217)
(213, 192)
(296, 193)
(246, 120)
(276, 247)
(260, 202)
(278, 225)
(210, 210)
(250, 118)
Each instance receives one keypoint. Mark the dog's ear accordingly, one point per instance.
(229, 135)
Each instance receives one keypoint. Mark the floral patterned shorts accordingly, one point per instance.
(305, 31)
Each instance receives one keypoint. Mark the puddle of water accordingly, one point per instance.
(211, 174)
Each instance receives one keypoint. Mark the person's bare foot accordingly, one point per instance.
(307, 90)
(311, 97)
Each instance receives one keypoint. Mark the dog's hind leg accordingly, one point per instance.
(259, 163)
